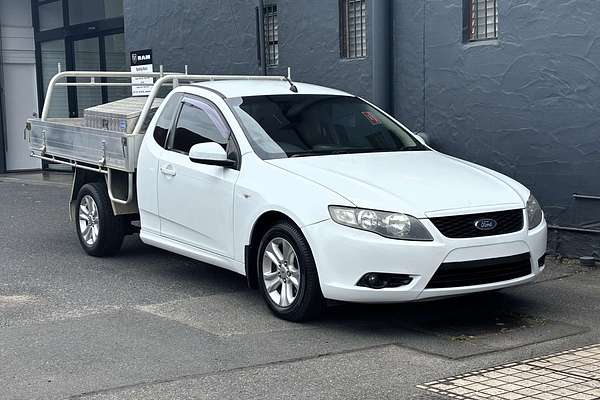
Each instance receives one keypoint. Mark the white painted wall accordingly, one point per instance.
(18, 55)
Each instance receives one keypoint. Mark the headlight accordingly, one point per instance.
(387, 224)
(534, 213)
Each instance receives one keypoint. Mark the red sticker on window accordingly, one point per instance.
(371, 117)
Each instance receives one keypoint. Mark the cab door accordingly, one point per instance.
(195, 201)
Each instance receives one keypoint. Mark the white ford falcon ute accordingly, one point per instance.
(313, 193)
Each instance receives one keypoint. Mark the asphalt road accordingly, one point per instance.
(149, 324)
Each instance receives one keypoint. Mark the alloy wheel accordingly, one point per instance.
(89, 220)
(281, 273)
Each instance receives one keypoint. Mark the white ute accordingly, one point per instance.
(310, 192)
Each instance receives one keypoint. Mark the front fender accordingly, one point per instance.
(262, 188)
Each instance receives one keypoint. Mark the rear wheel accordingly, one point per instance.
(100, 232)
(287, 274)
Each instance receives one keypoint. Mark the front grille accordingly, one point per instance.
(463, 226)
(480, 272)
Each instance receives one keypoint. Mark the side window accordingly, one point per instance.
(197, 123)
(165, 119)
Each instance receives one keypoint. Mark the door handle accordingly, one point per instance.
(168, 170)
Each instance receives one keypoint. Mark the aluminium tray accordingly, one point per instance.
(67, 138)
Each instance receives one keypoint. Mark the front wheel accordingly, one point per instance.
(288, 275)
(100, 232)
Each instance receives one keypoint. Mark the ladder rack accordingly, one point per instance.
(163, 79)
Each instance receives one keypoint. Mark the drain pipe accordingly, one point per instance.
(261, 36)
(380, 44)
(2, 111)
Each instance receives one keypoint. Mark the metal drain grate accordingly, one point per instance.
(570, 375)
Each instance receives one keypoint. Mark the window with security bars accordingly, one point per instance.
(271, 26)
(353, 28)
(483, 19)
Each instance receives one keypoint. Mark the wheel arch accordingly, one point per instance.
(80, 178)
(261, 225)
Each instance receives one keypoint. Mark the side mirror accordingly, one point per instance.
(210, 154)
(422, 137)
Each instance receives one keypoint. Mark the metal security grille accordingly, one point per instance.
(354, 28)
(271, 25)
(483, 20)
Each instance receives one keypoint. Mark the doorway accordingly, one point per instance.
(104, 52)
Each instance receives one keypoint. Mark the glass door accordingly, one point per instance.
(104, 52)
(52, 53)
(86, 57)
(116, 60)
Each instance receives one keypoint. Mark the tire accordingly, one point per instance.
(105, 235)
(304, 301)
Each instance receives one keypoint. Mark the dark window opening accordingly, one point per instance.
(84, 11)
(197, 123)
(271, 27)
(482, 19)
(353, 26)
(165, 120)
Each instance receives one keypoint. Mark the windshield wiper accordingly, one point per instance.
(308, 154)
(334, 152)
(326, 152)
(352, 151)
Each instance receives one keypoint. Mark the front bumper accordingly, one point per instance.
(343, 255)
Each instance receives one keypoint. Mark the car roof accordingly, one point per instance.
(242, 88)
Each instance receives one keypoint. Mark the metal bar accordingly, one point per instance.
(168, 78)
(270, 38)
(471, 31)
(495, 18)
(476, 18)
(354, 39)
(85, 74)
(358, 29)
(74, 164)
(275, 35)
(363, 29)
(267, 27)
(107, 84)
(585, 196)
(485, 4)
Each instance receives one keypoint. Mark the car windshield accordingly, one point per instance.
(298, 125)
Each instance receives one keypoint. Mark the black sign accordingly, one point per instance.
(141, 57)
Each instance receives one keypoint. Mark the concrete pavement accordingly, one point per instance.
(150, 324)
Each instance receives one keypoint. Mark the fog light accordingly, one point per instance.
(542, 261)
(375, 280)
